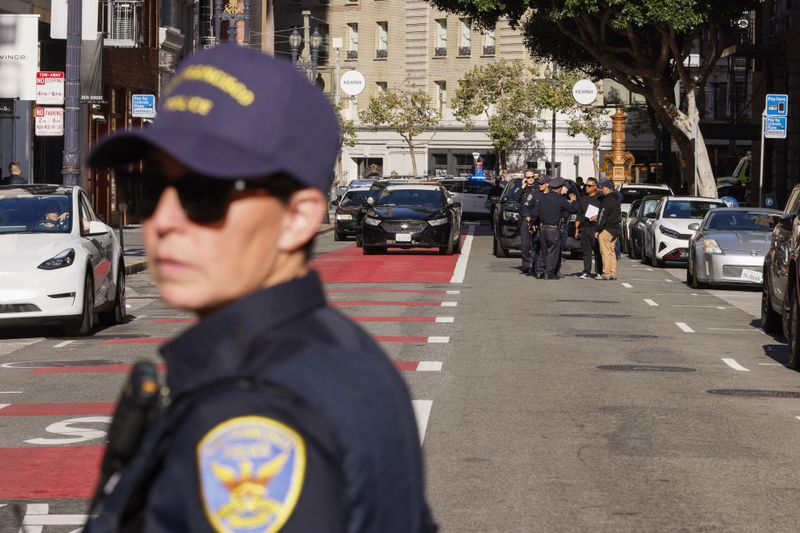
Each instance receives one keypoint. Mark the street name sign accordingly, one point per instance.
(775, 127)
(352, 83)
(143, 105)
(777, 105)
(49, 122)
(50, 88)
(584, 92)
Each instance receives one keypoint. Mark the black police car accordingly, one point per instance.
(412, 216)
(349, 212)
(505, 221)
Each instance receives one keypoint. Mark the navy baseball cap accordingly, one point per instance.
(557, 183)
(605, 182)
(236, 113)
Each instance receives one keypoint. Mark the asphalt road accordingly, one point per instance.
(571, 405)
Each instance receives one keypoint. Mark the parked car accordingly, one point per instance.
(350, 210)
(729, 246)
(667, 237)
(505, 224)
(412, 216)
(60, 264)
(626, 226)
(639, 222)
(780, 302)
(636, 191)
(472, 194)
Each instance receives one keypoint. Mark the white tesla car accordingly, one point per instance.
(58, 262)
(667, 236)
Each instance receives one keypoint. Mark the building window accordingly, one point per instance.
(441, 38)
(381, 86)
(382, 39)
(441, 97)
(325, 49)
(489, 42)
(121, 22)
(465, 43)
(352, 40)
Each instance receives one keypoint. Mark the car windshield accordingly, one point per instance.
(354, 198)
(689, 208)
(649, 206)
(411, 197)
(742, 221)
(629, 194)
(23, 211)
(511, 190)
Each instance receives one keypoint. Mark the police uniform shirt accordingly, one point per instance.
(551, 208)
(256, 459)
(526, 196)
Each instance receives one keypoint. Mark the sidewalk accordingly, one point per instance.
(133, 244)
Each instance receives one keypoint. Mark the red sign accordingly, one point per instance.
(50, 88)
(49, 121)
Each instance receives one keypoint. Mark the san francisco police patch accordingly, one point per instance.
(251, 474)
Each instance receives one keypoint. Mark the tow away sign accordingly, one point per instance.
(50, 88)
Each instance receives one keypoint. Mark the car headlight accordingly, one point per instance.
(669, 232)
(510, 215)
(710, 246)
(437, 221)
(372, 221)
(344, 216)
(61, 260)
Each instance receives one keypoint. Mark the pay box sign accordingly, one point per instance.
(49, 122)
(50, 88)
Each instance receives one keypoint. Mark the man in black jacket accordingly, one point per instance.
(585, 228)
(608, 226)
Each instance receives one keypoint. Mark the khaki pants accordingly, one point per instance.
(608, 253)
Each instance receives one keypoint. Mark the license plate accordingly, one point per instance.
(752, 275)
(402, 237)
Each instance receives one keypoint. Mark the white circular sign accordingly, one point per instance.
(352, 83)
(584, 92)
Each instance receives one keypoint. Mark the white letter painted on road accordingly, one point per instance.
(74, 435)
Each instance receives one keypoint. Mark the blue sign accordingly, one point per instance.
(777, 105)
(143, 105)
(775, 127)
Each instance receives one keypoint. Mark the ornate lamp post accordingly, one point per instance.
(316, 44)
(550, 76)
(295, 41)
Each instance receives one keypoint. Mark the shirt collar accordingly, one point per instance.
(217, 345)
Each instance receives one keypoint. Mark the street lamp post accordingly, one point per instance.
(316, 44)
(550, 75)
(294, 42)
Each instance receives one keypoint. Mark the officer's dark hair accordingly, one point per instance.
(282, 187)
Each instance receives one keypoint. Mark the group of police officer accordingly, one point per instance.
(544, 205)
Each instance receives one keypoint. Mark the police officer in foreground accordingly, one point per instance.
(281, 414)
(551, 209)
(525, 200)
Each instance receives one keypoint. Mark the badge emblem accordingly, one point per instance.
(251, 474)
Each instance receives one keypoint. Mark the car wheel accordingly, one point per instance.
(654, 260)
(116, 315)
(792, 333)
(689, 280)
(338, 236)
(499, 251)
(457, 245)
(359, 242)
(446, 250)
(696, 283)
(632, 253)
(770, 319)
(83, 325)
(370, 250)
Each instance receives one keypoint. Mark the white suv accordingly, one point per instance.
(635, 191)
(667, 236)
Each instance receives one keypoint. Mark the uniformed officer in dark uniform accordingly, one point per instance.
(525, 200)
(280, 414)
(548, 215)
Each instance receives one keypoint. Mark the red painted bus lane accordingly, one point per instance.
(48, 473)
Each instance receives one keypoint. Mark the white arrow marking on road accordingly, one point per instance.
(684, 327)
(4, 405)
(445, 319)
(627, 285)
(734, 365)
(461, 265)
(422, 412)
(62, 344)
(438, 340)
(651, 303)
(429, 366)
(449, 304)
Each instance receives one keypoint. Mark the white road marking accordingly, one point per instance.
(422, 412)
(627, 285)
(730, 329)
(52, 520)
(12, 346)
(62, 344)
(684, 327)
(4, 405)
(445, 319)
(461, 265)
(449, 304)
(761, 331)
(769, 364)
(37, 508)
(10, 392)
(453, 292)
(649, 269)
(721, 307)
(734, 365)
(669, 280)
(651, 303)
(701, 306)
(429, 366)
(438, 340)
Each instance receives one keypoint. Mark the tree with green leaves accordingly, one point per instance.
(408, 111)
(348, 134)
(593, 122)
(643, 44)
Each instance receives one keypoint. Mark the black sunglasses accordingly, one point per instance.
(204, 200)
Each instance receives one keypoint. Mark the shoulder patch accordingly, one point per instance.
(251, 472)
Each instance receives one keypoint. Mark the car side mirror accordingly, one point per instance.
(787, 221)
(96, 228)
(694, 226)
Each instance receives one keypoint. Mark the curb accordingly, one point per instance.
(140, 266)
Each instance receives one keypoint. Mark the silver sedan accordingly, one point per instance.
(729, 246)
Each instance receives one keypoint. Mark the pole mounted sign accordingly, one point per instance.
(352, 83)
(584, 92)
(774, 123)
(49, 122)
(50, 88)
(143, 105)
